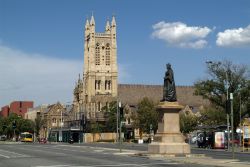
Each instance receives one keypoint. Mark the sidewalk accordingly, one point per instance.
(236, 149)
(199, 159)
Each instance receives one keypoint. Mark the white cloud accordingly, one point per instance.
(180, 35)
(234, 37)
(40, 78)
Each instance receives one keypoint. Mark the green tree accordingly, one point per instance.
(38, 123)
(26, 125)
(111, 115)
(215, 87)
(22, 125)
(188, 123)
(145, 116)
(212, 116)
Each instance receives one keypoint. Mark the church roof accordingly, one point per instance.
(132, 94)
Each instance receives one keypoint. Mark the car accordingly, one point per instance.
(43, 140)
(3, 138)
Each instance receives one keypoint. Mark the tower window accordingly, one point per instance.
(99, 106)
(107, 55)
(97, 54)
(108, 85)
(97, 84)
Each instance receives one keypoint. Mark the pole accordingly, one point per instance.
(14, 134)
(228, 131)
(120, 142)
(117, 108)
(232, 123)
(240, 121)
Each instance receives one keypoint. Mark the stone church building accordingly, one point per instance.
(99, 86)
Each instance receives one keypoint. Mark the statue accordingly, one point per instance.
(169, 92)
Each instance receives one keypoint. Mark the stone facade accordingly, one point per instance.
(54, 117)
(99, 84)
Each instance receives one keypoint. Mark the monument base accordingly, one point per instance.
(169, 139)
(168, 148)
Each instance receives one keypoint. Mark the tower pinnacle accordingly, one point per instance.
(92, 20)
(113, 23)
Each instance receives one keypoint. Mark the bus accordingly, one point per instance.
(26, 137)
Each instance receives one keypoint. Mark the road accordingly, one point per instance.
(216, 154)
(65, 155)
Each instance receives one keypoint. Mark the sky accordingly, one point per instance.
(41, 42)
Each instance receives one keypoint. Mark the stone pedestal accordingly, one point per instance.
(169, 139)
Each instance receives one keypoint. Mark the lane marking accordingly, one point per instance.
(4, 156)
(114, 165)
(11, 154)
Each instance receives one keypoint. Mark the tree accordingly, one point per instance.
(215, 87)
(212, 116)
(111, 114)
(38, 123)
(188, 122)
(145, 116)
(22, 125)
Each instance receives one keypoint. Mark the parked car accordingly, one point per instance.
(204, 140)
(71, 141)
(43, 140)
(3, 138)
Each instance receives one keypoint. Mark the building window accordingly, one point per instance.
(129, 121)
(97, 84)
(108, 85)
(107, 55)
(54, 122)
(98, 106)
(97, 54)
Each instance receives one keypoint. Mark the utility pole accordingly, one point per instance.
(240, 121)
(117, 118)
(232, 123)
(228, 131)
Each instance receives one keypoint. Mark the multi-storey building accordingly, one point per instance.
(99, 84)
(18, 107)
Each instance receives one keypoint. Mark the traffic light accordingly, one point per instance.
(4, 127)
(83, 123)
(14, 124)
(228, 106)
(121, 113)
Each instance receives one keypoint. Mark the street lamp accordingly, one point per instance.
(227, 112)
(117, 117)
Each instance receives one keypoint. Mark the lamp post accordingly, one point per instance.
(117, 118)
(227, 112)
(228, 131)
(232, 123)
(240, 121)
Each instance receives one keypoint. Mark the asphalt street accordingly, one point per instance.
(65, 155)
(214, 153)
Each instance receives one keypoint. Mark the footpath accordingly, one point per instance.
(200, 159)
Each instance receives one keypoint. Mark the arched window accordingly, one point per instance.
(97, 54)
(107, 54)
(53, 121)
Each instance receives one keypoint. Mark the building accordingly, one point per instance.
(18, 107)
(34, 113)
(99, 84)
(5, 111)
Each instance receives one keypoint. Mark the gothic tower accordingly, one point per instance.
(99, 85)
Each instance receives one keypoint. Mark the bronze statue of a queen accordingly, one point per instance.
(169, 91)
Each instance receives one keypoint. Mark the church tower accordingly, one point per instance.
(99, 85)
